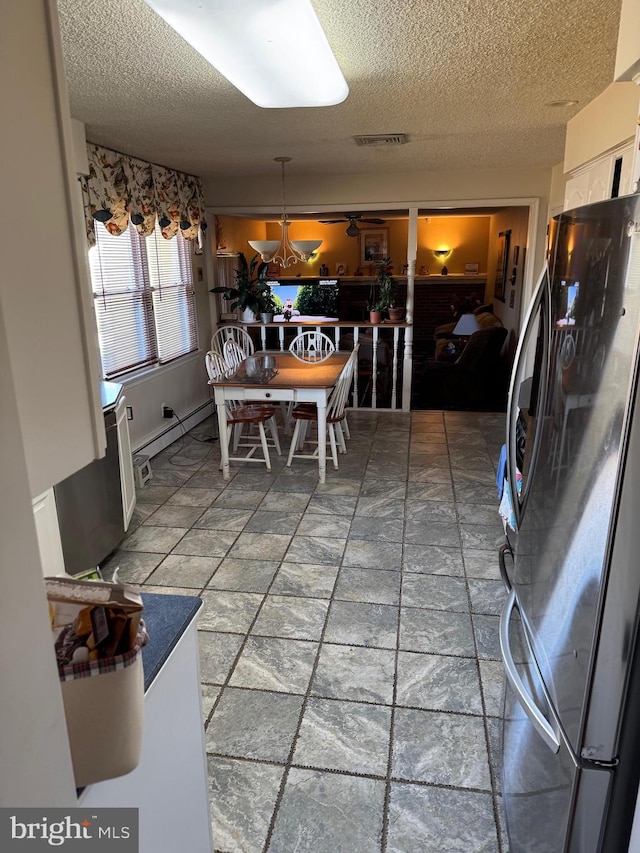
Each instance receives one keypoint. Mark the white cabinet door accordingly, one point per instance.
(169, 786)
(600, 180)
(626, 175)
(127, 481)
(48, 533)
(575, 192)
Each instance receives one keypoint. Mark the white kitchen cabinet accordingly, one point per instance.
(600, 180)
(595, 180)
(169, 786)
(127, 481)
(575, 193)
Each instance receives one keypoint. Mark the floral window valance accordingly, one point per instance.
(120, 188)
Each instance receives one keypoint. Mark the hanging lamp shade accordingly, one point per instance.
(285, 252)
(466, 325)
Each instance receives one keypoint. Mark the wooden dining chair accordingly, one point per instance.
(240, 414)
(233, 353)
(237, 334)
(313, 347)
(305, 413)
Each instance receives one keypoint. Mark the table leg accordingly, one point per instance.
(224, 438)
(322, 438)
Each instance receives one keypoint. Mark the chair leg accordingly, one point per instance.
(286, 409)
(265, 446)
(346, 427)
(340, 436)
(294, 441)
(334, 450)
(237, 432)
(273, 429)
(304, 426)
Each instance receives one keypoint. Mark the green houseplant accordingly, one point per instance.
(269, 306)
(383, 291)
(250, 286)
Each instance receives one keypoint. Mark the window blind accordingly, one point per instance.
(144, 299)
(171, 284)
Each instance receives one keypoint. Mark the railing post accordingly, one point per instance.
(394, 379)
(356, 335)
(374, 377)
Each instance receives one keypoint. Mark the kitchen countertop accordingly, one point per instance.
(166, 618)
(109, 393)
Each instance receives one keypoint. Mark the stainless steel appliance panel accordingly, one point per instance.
(565, 532)
(89, 506)
(539, 773)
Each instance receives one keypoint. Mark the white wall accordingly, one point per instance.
(628, 52)
(46, 429)
(517, 221)
(42, 274)
(181, 384)
(608, 121)
(35, 764)
(556, 193)
(366, 191)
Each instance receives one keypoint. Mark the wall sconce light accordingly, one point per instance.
(442, 253)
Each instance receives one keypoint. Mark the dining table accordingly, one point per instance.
(272, 377)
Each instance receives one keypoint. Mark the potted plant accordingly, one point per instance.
(250, 288)
(383, 293)
(269, 307)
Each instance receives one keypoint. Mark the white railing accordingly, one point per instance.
(383, 377)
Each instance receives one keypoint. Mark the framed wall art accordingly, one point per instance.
(374, 245)
(502, 261)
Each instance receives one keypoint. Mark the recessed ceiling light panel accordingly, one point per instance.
(274, 51)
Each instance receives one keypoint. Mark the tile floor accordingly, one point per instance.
(349, 636)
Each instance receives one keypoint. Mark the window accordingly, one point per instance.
(144, 299)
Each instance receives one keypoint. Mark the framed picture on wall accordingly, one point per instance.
(500, 284)
(374, 245)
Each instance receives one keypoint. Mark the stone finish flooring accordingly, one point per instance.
(349, 649)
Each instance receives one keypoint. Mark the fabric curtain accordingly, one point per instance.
(120, 188)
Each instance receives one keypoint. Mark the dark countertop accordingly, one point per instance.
(166, 618)
(109, 392)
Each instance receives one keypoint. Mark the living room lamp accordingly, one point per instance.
(285, 252)
(274, 51)
(466, 325)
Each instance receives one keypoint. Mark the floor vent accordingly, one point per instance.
(382, 139)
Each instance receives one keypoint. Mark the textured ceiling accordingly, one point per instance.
(469, 81)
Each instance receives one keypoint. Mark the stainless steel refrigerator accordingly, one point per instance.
(571, 559)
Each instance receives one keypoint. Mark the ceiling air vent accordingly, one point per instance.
(382, 139)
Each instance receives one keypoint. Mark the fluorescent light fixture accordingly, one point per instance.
(274, 51)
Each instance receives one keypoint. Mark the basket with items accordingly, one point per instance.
(98, 634)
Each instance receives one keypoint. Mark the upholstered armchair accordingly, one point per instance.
(476, 379)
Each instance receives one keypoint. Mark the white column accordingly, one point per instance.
(407, 363)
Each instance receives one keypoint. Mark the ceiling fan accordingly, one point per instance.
(353, 218)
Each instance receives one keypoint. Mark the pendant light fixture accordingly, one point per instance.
(285, 252)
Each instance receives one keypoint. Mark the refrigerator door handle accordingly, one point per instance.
(538, 307)
(504, 549)
(539, 721)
